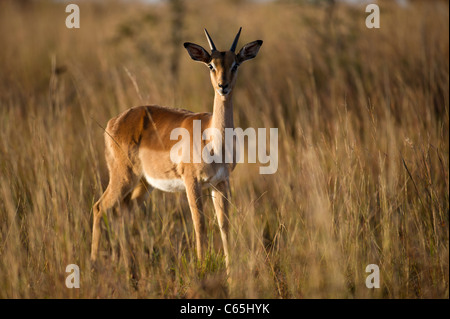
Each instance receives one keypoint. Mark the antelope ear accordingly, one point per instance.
(197, 53)
(249, 51)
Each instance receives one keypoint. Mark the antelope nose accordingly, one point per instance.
(223, 86)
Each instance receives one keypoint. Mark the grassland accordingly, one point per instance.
(363, 119)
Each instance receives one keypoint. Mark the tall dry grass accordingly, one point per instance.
(363, 150)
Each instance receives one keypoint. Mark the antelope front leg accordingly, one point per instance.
(220, 195)
(194, 196)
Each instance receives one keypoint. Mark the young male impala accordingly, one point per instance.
(138, 149)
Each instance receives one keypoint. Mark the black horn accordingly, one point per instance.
(235, 42)
(210, 41)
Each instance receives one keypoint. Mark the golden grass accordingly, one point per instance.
(363, 150)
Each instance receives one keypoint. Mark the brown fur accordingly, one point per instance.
(138, 147)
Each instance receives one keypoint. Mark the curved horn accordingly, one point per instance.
(235, 42)
(210, 41)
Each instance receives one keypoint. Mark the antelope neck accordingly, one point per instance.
(222, 113)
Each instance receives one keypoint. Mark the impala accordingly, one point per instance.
(138, 146)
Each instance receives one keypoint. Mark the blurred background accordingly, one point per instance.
(363, 122)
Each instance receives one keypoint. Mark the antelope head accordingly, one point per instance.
(223, 65)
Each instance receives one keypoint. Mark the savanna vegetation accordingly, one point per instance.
(363, 122)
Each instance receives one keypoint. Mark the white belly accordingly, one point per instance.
(167, 185)
(177, 184)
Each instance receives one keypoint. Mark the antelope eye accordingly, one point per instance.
(210, 67)
(234, 67)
